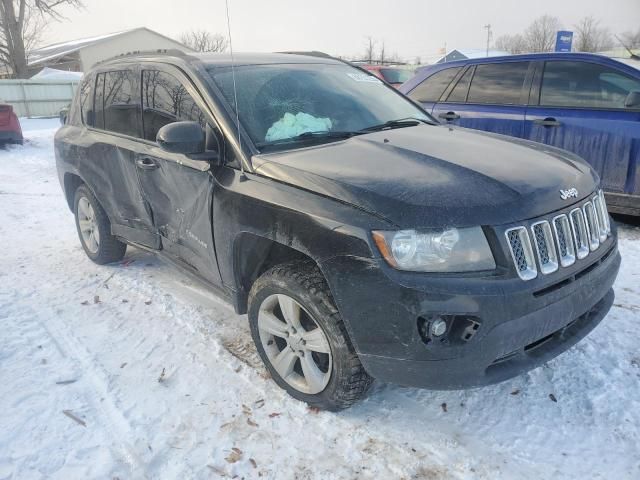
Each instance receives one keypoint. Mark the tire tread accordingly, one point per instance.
(111, 249)
(357, 381)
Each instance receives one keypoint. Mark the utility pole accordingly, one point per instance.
(489, 34)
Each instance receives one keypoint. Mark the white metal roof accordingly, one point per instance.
(50, 52)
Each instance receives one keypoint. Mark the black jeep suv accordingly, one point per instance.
(364, 239)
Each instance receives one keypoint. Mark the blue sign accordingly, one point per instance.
(564, 41)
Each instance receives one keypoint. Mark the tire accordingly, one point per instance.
(105, 248)
(344, 380)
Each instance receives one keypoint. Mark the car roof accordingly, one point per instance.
(429, 70)
(239, 59)
(225, 59)
(521, 57)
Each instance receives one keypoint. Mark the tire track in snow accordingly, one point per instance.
(99, 396)
(381, 440)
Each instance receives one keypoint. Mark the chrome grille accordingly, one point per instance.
(579, 228)
(543, 240)
(567, 238)
(522, 253)
(602, 215)
(564, 239)
(593, 228)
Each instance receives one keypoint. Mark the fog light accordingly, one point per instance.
(438, 327)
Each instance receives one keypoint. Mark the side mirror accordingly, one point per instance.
(182, 137)
(633, 99)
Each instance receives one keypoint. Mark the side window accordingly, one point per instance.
(98, 102)
(459, 92)
(166, 100)
(432, 88)
(498, 83)
(585, 85)
(120, 103)
(86, 100)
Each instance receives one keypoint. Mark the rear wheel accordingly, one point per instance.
(302, 340)
(94, 229)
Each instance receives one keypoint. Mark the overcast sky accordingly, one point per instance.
(409, 27)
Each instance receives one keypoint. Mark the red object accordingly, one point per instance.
(10, 131)
(394, 76)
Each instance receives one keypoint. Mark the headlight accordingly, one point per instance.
(450, 250)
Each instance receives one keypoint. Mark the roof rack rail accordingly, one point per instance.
(310, 53)
(173, 52)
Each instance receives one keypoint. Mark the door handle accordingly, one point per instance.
(449, 116)
(547, 122)
(146, 163)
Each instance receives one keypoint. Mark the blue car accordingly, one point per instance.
(585, 103)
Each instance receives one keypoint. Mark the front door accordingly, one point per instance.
(489, 97)
(178, 190)
(580, 107)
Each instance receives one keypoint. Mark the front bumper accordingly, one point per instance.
(522, 324)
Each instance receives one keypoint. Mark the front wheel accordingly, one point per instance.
(302, 339)
(94, 229)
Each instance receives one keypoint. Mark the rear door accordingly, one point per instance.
(490, 97)
(178, 189)
(108, 157)
(580, 106)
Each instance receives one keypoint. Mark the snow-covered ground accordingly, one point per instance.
(132, 371)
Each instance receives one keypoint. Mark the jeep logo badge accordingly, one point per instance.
(572, 192)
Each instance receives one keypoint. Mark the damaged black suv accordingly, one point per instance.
(363, 239)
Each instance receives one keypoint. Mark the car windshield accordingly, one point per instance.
(396, 75)
(289, 105)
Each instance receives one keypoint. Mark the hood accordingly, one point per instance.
(436, 176)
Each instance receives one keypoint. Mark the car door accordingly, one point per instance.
(490, 97)
(580, 106)
(107, 163)
(178, 189)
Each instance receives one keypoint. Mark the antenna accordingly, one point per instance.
(235, 90)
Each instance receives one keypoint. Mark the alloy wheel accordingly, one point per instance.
(88, 225)
(295, 345)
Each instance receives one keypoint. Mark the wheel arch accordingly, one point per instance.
(253, 255)
(71, 182)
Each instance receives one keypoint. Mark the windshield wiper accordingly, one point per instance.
(328, 134)
(400, 123)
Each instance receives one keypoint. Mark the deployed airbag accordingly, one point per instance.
(291, 125)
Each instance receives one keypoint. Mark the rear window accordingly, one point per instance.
(432, 88)
(498, 83)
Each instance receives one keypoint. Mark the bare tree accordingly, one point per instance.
(370, 47)
(203, 41)
(514, 44)
(540, 36)
(21, 22)
(382, 56)
(631, 39)
(590, 37)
